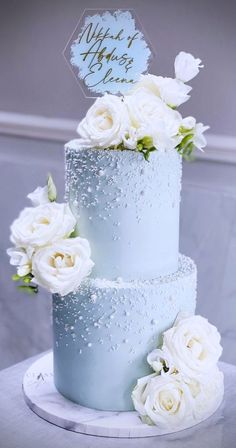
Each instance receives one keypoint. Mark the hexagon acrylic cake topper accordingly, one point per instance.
(108, 51)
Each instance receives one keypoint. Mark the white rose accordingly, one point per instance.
(172, 91)
(140, 393)
(61, 267)
(39, 196)
(193, 344)
(186, 66)
(207, 393)
(165, 401)
(42, 225)
(150, 116)
(20, 258)
(143, 107)
(105, 123)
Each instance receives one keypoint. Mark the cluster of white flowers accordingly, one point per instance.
(186, 386)
(44, 251)
(145, 119)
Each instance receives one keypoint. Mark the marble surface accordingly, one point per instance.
(30, 430)
(43, 398)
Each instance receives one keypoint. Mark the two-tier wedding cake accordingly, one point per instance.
(125, 334)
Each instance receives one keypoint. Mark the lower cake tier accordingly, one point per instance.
(104, 331)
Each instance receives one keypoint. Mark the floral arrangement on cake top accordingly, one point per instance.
(187, 385)
(146, 119)
(46, 250)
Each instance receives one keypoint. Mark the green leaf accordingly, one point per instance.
(15, 277)
(74, 234)
(139, 147)
(186, 140)
(52, 191)
(147, 142)
(146, 152)
(186, 147)
(183, 130)
(145, 419)
(28, 289)
(144, 145)
(27, 279)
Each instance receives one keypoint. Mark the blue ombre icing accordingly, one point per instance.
(128, 209)
(103, 332)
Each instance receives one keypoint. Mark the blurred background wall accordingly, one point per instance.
(40, 104)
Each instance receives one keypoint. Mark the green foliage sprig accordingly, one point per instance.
(186, 147)
(144, 146)
(27, 286)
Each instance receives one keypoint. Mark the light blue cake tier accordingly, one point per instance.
(127, 208)
(103, 333)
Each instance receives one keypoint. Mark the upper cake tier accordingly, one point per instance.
(127, 208)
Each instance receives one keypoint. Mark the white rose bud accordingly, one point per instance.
(61, 267)
(186, 66)
(42, 225)
(52, 191)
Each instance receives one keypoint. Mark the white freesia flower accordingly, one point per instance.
(186, 66)
(207, 394)
(172, 91)
(61, 267)
(42, 225)
(188, 123)
(163, 400)
(39, 196)
(21, 259)
(197, 129)
(130, 138)
(105, 123)
(199, 140)
(161, 362)
(193, 344)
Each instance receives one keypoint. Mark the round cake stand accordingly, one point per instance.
(44, 399)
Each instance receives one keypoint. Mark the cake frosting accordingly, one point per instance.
(112, 325)
(127, 208)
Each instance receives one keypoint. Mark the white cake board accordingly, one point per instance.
(44, 399)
